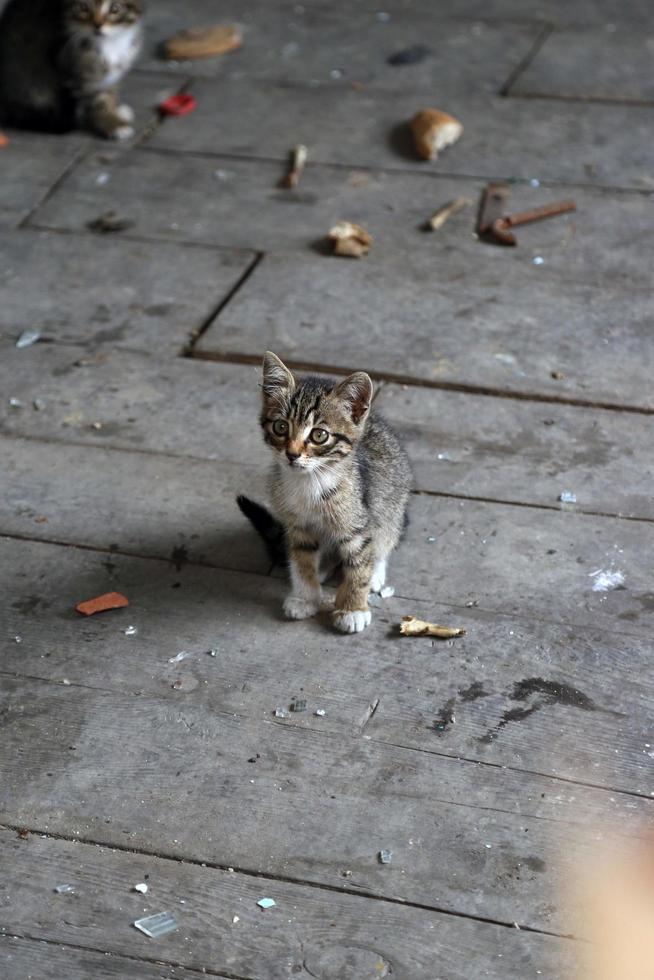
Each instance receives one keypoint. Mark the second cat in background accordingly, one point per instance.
(61, 62)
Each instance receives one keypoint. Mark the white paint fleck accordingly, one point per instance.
(607, 579)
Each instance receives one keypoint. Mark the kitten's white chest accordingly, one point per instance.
(118, 50)
(303, 495)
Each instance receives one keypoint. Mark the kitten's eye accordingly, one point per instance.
(319, 436)
(115, 8)
(279, 427)
(80, 7)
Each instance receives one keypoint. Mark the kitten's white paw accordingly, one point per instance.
(298, 608)
(352, 622)
(122, 133)
(125, 113)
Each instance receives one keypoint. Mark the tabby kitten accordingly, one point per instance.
(61, 62)
(340, 486)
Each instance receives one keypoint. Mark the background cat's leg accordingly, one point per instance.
(351, 613)
(125, 112)
(306, 594)
(103, 114)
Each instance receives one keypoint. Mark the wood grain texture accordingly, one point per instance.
(190, 407)
(309, 809)
(316, 45)
(611, 62)
(508, 558)
(310, 933)
(161, 507)
(351, 126)
(34, 959)
(147, 296)
(411, 681)
(444, 309)
(510, 450)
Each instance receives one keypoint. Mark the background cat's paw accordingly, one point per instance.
(297, 608)
(352, 622)
(125, 113)
(122, 133)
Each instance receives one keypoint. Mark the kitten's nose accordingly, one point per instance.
(292, 456)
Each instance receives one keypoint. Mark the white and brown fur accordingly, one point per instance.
(61, 62)
(339, 485)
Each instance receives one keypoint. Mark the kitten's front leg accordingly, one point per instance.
(306, 595)
(106, 117)
(351, 612)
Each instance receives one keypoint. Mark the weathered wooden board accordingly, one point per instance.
(469, 313)
(523, 452)
(100, 289)
(526, 452)
(239, 203)
(32, 163)
(583, 12)
(611, 62)
(311, 933)
(511, 331)
(28, 173)
(289, 43)
(503, 137)
(330, 804)
(161, 507)
(262, 663)
(524, 562)
(24, 959)
(139, 401)
(588, 345)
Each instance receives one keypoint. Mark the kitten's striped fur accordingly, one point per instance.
(339, 485)
(62, 60)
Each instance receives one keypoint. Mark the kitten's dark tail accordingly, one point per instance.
(268, 527)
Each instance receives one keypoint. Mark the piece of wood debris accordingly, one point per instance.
(108, 222)
(298, 161)
(443, 214)
(350, 240)
(412, 626)
(202, 42)
(433, 130)
(108, 600)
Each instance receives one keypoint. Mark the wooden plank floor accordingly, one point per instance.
(491, 765)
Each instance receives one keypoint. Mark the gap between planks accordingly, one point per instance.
(395, 171)
(595, 99)
(227, 357)
(535, 48)
(196, 563)
(220, 306)
(355, 736)
(287, 880)
(130, 957)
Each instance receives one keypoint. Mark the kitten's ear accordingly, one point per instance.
(277, 379)
(356, 394)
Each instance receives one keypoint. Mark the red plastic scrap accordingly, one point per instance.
(109, 600)
(178, 105)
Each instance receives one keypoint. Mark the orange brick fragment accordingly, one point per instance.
(4, 140)
(109, 600)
